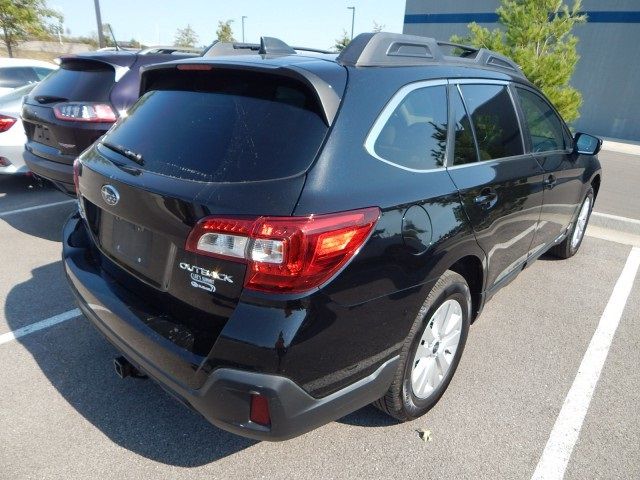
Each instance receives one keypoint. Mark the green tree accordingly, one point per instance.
(186, 37)
(537, 35)
(225, 32)
(20, 19)
(342, 42)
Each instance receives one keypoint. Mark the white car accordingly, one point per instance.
(12, 136)
(17, 72)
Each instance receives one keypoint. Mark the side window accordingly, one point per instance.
(14, 77)
(41, 72)
(544, 125)
(494, 120)
(415, 135)
(464, 150)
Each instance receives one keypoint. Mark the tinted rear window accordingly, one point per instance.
(78, 81)
(236, 127)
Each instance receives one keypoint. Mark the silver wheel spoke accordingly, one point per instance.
(434, 375)
(428, 337)
(422, 352)
(421, 381)
(450, 342)
(445, 315)
(443, 363)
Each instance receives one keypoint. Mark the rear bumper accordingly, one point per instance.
(14, 155)
(60, 174)
(224, 398)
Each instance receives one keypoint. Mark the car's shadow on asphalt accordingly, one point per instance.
(17, 192)
(135, 414)
(368, 416)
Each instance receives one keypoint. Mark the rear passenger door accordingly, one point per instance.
(500, 186)
(551, 145)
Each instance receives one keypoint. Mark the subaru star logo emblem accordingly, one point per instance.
(110, 195)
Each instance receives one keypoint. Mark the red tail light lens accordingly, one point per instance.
(6, 122)
(259, 412)
(285, 254)
(84, 112)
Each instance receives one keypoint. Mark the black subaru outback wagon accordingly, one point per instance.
(280, 239)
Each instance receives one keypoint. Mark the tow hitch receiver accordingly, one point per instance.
(125, 369)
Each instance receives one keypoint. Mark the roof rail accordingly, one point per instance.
(267, 46)
(384, 49)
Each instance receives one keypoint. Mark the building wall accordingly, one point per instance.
(607, 73)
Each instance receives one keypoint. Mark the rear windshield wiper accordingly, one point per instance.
(130, 154)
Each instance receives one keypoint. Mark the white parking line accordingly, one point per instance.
(34, 327)
(565, 432)
(35, 207)
(616, 217)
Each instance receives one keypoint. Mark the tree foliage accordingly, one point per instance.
(186, 37)
(378, 27)
(20, 19)
(225, 32)
(537, 35)
(342, 42)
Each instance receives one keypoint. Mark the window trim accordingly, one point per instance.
(563, 125)
(387, 111)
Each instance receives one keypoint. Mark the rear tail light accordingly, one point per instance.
(259, 412)
(4, 162)
(84, 112)
(6, 122)
(285, 254)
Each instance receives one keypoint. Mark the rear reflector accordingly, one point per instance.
(259, 412)
(77, 168)
(4, 162)
(85, 112)
(285, 254)
(6, 122)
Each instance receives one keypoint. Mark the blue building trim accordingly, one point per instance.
(592, 17)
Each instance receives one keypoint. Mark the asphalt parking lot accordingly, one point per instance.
(65, 414)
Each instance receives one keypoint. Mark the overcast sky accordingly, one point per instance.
(302, 22)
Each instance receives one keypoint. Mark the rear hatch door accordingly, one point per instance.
(79, 79)
(209, 143)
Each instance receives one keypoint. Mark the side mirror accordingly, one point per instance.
(586, 144)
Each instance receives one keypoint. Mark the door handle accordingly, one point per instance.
(486, 197)
(550, 181)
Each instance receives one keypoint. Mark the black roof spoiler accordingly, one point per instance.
(385, 49)
(326, 93)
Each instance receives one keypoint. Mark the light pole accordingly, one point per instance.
(243, 17)
(99, 21)
(353, 18)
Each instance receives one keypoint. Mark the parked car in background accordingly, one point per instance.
(77, 104)
(12, 137)
(277, 253)
(17, 72)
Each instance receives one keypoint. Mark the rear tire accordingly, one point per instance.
(570, 245)
(431, 352)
